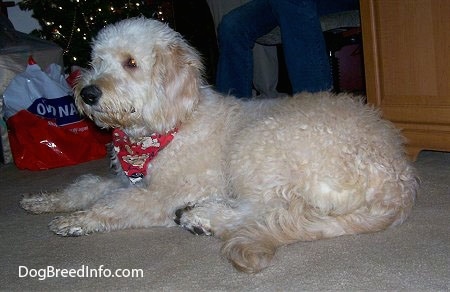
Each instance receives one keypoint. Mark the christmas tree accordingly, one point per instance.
(72, 23)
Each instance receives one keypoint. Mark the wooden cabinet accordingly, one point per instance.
(407, 62)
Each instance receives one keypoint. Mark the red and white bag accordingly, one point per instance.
(45, 128)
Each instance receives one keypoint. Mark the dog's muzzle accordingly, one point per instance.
(91, 94)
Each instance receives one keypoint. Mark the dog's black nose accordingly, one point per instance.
(91, 94)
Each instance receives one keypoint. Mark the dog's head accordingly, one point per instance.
(144, 78)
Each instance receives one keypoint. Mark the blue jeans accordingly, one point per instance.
(303, 42)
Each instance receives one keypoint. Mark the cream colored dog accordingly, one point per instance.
(258, 174)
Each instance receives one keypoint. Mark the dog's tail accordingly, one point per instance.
(252, 247)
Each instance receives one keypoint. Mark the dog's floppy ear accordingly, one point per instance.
(178, 72)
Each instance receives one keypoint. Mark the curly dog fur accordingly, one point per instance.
(258, 174)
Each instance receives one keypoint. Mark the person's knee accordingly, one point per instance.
(229, 27)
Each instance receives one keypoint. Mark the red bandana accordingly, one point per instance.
(136, 156)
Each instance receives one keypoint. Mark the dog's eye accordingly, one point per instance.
(131, 63)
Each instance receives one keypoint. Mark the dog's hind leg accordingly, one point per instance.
(81, 194)
(251, 231)
(251, 247)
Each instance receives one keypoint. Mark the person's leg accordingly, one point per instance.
(221, 7)
(237, 33)
(303, 44)
(265, 61)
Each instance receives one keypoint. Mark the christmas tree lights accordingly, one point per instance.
(72, 23)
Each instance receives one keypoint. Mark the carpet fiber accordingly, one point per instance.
(413, 256)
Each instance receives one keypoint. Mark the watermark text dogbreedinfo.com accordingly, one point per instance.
(82, 272)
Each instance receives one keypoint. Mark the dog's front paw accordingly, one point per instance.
(191, 220)
(37, 203)
(75, 224)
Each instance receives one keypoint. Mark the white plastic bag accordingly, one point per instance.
(46, 94)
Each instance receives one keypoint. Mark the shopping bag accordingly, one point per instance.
(45, 128)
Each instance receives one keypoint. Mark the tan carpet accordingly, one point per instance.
(414, 256)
